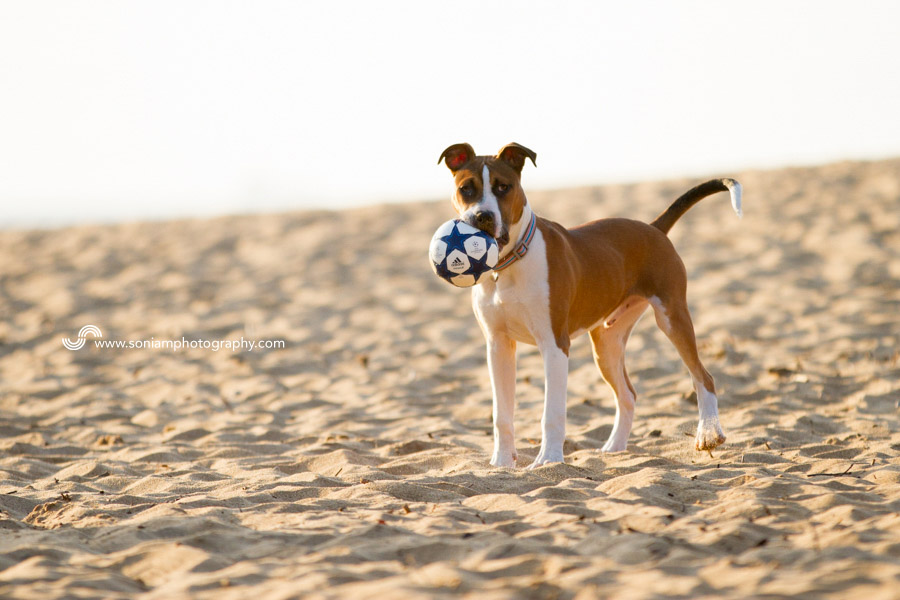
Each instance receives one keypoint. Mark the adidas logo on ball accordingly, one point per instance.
(461, 254)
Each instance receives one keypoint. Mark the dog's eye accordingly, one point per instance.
(500, 189)
(467, 191)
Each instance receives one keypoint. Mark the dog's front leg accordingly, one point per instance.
(502, 367)
(553, 422)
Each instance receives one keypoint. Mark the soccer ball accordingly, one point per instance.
(461, 254)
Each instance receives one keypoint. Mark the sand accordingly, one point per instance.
(353, 462)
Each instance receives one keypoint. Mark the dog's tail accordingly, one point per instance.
(694, 195)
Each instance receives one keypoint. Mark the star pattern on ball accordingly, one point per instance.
(455, 240)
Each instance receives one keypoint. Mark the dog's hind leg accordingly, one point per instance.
(674, 319)
(608, 343)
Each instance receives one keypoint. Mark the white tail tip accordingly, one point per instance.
(734, 188)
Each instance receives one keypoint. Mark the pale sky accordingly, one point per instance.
(120, 110)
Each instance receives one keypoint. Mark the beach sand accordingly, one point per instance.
(353, 462)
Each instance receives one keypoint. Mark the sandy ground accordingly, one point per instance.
(353, 462)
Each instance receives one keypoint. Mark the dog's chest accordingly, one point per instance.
(517, 303)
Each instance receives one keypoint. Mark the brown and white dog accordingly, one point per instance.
(553, 284)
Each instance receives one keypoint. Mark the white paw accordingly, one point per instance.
(709, 434)
(544, 458)
(504, 459)
(612, 445)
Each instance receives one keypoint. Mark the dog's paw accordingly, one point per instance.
(612, 445)
(544, 458)
(709, 434)
(504, 459)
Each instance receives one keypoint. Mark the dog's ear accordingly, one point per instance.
(515, 154)
(457, 155)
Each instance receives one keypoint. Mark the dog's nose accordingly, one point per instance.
(484, 221)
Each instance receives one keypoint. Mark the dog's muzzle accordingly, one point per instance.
(485, 221)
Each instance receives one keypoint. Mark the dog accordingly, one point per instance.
(553, 284)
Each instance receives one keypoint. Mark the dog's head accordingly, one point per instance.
(488, 192)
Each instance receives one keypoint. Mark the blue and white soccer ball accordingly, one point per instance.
(461, 254)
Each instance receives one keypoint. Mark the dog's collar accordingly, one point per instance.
(522, 248)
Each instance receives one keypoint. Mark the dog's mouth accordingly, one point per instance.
(503, 238)
(486, 223)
